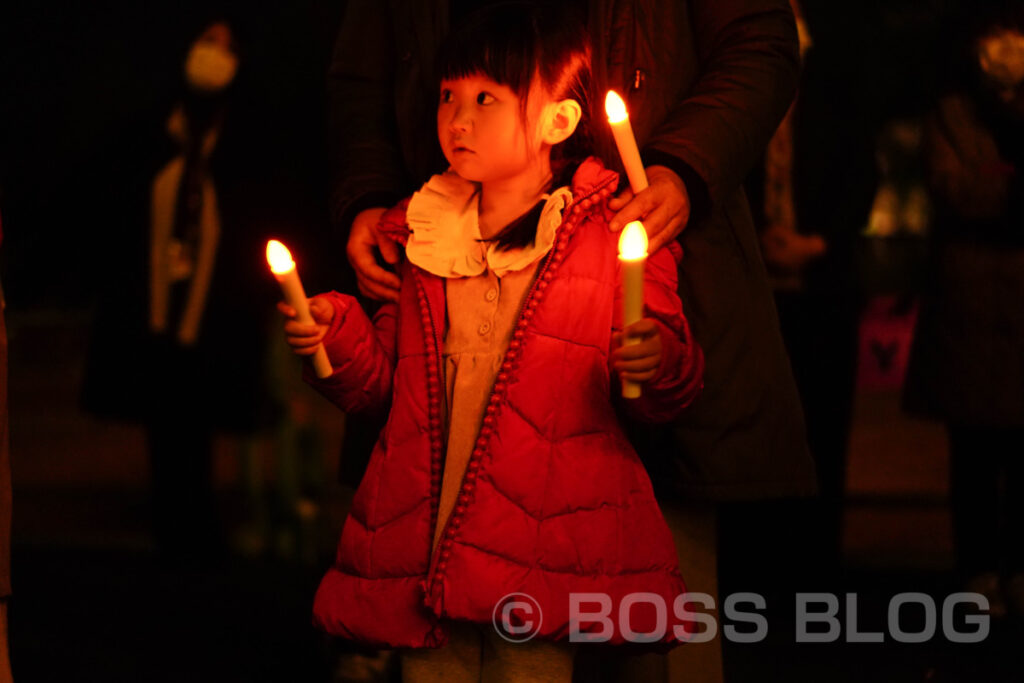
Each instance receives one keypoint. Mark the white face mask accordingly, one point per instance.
(210, 67)
(1001, 57)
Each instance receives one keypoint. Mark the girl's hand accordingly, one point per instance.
(305, 338)
(638, 362)
(664, 207)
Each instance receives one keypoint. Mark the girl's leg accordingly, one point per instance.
(535, 661)
(456, 662)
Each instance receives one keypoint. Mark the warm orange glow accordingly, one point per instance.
(633, 242)
(615, 107)
(279, 258)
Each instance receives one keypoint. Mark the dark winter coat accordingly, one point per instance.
(707, 81)
(967, 361)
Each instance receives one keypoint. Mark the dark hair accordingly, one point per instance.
(512, 43)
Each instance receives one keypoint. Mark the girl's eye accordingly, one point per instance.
(446, 96)
(484, 98)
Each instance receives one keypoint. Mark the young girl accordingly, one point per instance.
(502, 483)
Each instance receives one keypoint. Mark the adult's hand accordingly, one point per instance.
(788, 251)
(664, 207)
(364, 242)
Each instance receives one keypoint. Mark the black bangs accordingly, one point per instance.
(512, 43)
(502, 42)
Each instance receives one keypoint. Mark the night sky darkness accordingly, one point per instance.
(75, 75)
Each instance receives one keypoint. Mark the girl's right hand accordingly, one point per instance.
(304, 338)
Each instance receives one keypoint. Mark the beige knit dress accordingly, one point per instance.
(485, 287)
(482, 311)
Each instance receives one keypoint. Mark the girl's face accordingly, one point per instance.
(480, 127)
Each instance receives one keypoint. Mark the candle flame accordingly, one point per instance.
(633, 242)
(615, 107)
(279, 258)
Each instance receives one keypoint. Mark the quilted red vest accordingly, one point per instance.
(554, 500)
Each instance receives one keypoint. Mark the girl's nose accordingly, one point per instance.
(460, 120)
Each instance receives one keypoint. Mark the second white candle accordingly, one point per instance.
(632, 259)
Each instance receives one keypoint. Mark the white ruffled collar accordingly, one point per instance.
(444, 220)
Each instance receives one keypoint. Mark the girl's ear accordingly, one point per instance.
(561, 121)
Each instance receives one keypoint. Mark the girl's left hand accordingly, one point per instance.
(638, 362)
(664, 207)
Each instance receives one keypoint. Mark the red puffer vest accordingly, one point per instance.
(554, 501)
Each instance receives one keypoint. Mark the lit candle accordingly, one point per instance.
(633, 256)
(618, 117)
(283, 268)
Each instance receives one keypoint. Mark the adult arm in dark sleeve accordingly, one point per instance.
(368, 172)
(367, 169)
(749, 65)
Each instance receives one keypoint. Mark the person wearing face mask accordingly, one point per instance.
(211, 65)
(967, 361)
(184, 285)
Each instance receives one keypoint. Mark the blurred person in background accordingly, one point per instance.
(967, 362)
(187, 280)
(811, 198)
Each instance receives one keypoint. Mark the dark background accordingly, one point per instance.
(77, 77)
(74, 75)
(91, 599)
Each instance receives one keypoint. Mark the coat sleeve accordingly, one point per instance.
(966, 171)
(362, 354)
(366, 162)
(749, 65)
(680, 375)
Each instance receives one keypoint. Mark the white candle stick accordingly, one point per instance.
(283, 268)
(633, 256)
(622, 131)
